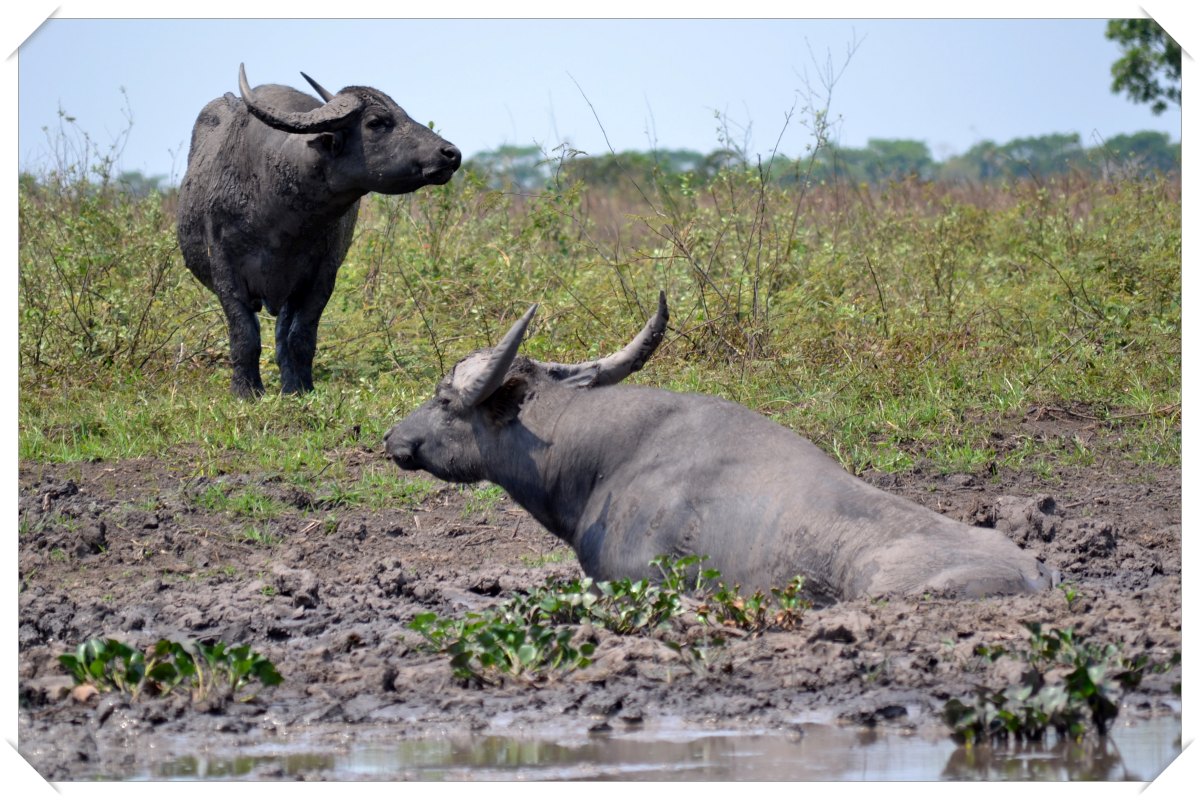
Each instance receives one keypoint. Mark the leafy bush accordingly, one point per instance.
(202, 670)
(102, 284)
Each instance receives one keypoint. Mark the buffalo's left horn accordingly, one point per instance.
(326, 95)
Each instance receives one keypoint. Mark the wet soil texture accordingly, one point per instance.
(126, 550)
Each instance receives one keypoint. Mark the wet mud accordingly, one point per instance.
(126, 549)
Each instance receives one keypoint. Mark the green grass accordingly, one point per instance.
(379, 486)
(260, 536)
(543, 559)
(895, 326)
(249, 501)
(481, 499)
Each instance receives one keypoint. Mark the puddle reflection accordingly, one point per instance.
(821, 752)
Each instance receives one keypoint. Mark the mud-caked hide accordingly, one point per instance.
(269, 200)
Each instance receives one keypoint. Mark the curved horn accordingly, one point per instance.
(480, 380)
(326, 95)
(618, 366)
(331, 116)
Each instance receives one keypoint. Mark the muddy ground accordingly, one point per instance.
(124, 549)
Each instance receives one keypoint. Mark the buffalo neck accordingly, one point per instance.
(552, 455)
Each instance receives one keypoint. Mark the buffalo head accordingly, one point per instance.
(374, 144)
(470, 425)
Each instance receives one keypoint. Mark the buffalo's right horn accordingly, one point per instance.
(478, 383)
(618, 366)
(335, 114)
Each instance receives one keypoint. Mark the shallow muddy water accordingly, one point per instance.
(819, 752)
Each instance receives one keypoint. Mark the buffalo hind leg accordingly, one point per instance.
(245, 347)
(296, 339)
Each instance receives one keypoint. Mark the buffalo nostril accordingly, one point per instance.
(452, 154)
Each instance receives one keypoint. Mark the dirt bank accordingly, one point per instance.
(125, 549)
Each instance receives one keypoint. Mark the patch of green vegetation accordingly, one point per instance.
(55, 519)
(481, 498)
(543, 559)
(260, 536)
(781, 609)
(378, 487)
(204, 671)
(250, 502)
(533, 633)
(1067, 684)
(254, 503)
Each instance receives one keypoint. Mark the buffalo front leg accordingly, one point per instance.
(245, 347)
(296, 340)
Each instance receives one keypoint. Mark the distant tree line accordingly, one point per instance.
(132, 182)
(881, 161)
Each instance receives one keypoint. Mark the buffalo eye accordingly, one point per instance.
(379, 123)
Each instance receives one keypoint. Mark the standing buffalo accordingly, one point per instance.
(269, 201)
(624, 474)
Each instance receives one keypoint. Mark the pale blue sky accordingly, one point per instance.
(484, 83)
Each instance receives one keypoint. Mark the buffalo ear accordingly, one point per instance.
(503, 405)
(329, 142)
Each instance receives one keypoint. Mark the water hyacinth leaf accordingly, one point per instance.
(164, 673)
(422, 621)
(267, 674)
(527, 654)
(75, 667)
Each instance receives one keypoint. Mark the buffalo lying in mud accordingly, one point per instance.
(627, 473)
(269, 200)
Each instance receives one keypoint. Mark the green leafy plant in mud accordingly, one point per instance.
(1069, 686)
(538, 631)
(502, 641)
(203, 670)
(781, 609)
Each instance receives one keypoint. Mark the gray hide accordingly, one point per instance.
(627, 473)
(268, 204)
